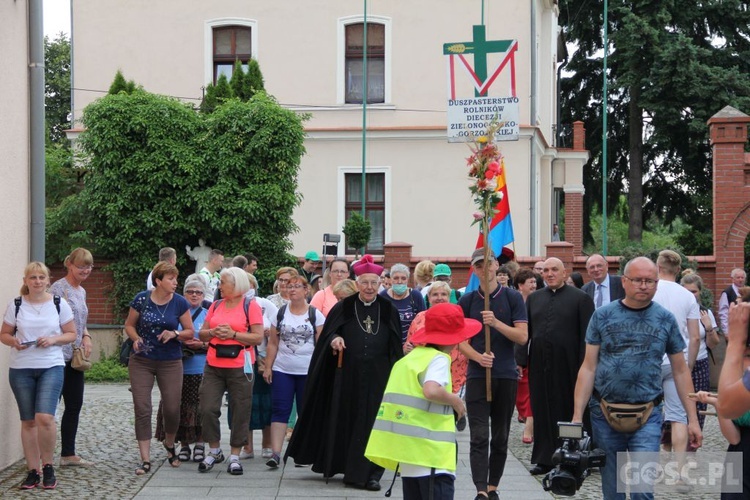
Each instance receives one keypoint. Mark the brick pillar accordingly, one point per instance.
(579, 136)
(574, 217)
(731, 192)
(562, 250)
(395, 252)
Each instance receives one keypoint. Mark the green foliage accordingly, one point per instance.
(57, 88)
(662, 236)
(243, 86)
(633, 251)
(357, 230)
(63, 216)
(119, 84)
(253, 80)
(160, 174)
(672, 66)
(237, 82)
(107, 369)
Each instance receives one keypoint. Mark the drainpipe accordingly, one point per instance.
(36, 130)
(532, 142)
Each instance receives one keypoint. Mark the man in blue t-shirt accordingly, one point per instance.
(625, 343)
(507, 321)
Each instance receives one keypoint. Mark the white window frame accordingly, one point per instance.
(208, 41)
(342, 23)
(341, 197)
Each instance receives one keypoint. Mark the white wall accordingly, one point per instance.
(14, 199)
(162, 46)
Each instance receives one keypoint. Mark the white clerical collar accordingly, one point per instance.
(367, 304)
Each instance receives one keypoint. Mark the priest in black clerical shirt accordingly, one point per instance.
(559, 315)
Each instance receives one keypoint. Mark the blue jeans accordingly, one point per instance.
(644, 439)
(37, 390)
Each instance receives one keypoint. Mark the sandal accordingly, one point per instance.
(142, 469)
(172, 458)
(199, 452)
(184, 455)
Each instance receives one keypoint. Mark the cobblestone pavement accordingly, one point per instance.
(106, 437)
(591, 489)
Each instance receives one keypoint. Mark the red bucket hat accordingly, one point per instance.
(444, 324)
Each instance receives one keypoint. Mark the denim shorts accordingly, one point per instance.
(37, 390)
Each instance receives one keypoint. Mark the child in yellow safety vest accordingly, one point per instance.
(415, 427)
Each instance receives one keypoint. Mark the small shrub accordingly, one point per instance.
(108, 369)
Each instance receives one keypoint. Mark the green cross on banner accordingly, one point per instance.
(480, 47)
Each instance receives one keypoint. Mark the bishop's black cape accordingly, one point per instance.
(366, 367)
(558, 320)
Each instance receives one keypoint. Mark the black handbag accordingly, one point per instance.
(126, 349)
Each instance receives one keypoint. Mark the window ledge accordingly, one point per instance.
(341, 107)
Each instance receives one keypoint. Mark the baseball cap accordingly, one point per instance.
(313, 256)
(441, 270)
(478, 255)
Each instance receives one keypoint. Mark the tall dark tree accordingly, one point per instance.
(57, 87)
(673, 64)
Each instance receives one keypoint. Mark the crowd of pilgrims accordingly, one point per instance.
(308, 364)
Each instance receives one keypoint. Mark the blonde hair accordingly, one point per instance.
(423, 271)
(33, 267)
(79, 255)
(345, 287)
(253, 281)
(439, 285)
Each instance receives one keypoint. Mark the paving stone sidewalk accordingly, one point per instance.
(106, 437)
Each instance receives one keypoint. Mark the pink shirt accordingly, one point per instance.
(324, 300)
(235, 318)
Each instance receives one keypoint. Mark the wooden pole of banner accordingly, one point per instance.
(486, 285)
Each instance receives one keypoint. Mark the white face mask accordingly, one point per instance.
(250, 294)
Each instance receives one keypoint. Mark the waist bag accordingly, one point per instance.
(627, 417)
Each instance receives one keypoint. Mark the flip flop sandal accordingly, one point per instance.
(184, 455)
(199, 453)
(142, 469)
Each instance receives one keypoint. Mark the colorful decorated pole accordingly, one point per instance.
(485, 165)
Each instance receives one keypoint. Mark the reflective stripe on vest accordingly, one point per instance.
(413, 431)
(418, 403)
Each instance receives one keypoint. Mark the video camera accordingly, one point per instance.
(572, 460)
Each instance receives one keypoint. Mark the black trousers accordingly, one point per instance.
(72, 394)
(418, 488)
(489, 426)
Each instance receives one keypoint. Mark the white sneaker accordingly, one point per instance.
(266, 453)
(245, 455)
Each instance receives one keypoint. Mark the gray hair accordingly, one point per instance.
(239, 278)
(400, 268)
(195, 281)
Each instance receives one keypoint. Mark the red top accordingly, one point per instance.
(235, 318)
